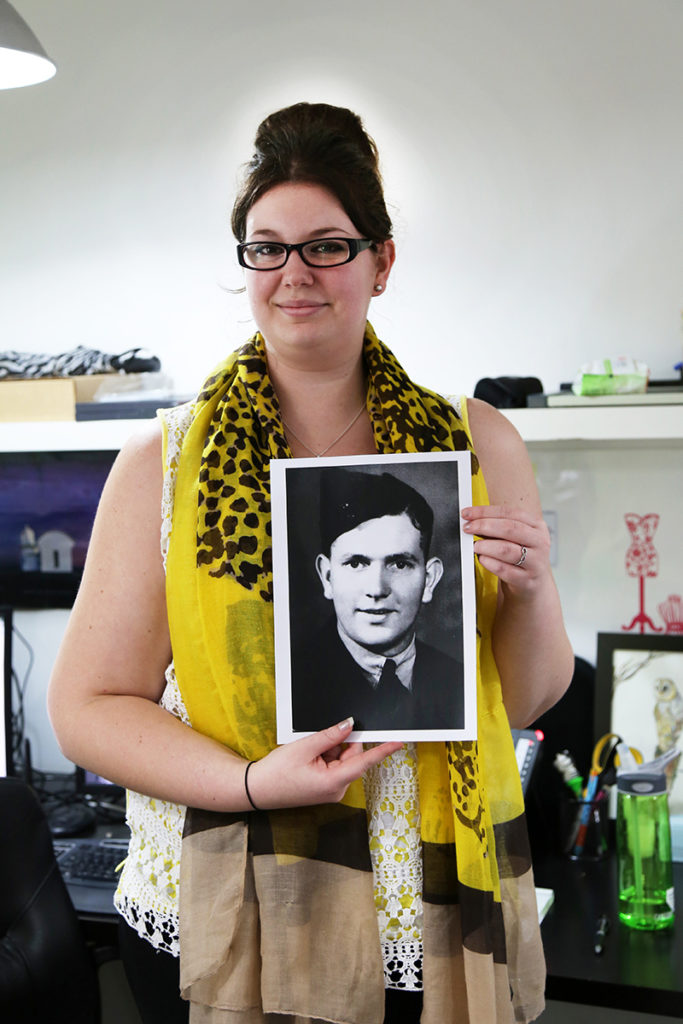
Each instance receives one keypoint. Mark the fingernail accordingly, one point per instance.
(346, 724)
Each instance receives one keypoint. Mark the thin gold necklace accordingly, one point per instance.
(319, 455)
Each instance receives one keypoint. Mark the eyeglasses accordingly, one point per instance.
(321, 252)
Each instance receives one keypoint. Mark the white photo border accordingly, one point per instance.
(279, 469)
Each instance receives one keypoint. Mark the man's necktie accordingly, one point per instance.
(392, 692)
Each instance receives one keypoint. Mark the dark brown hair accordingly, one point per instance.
(321, 145)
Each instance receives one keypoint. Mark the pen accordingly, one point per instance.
(604, 748)
(585, 816)
(601, 932)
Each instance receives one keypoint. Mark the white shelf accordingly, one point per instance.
(604, 425)
(642, 424)
(69, 435)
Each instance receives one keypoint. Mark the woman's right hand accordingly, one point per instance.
(317, 769)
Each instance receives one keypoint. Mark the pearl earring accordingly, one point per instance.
(378, 287)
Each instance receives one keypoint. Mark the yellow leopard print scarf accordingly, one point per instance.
(283, 874)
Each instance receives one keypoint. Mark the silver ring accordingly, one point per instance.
(522, 558)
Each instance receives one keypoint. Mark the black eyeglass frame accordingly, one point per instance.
(355, 245)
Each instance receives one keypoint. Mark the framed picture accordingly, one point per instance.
(639, 695)
(374, 596)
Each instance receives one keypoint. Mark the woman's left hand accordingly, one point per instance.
(512, 544)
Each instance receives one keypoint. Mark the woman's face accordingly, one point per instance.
(311, 315)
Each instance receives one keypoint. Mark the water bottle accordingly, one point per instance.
(646, 888)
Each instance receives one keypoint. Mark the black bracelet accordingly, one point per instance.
(246, 786)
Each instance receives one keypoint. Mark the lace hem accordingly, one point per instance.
(172, 699)
(456, 401)
(159, 931)
(147, 895)
(403, 965)
(391, 795)
(177, 421)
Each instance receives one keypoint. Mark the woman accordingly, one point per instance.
(280, 889)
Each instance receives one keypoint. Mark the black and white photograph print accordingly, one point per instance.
(374, 596)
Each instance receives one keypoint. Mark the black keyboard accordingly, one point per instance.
(90, 861)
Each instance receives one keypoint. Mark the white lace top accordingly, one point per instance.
(147, 895)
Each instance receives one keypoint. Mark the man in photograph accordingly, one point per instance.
(376, 569)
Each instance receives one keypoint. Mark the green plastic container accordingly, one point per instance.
(646, 888)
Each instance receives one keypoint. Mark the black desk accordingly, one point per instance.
(641, 971)
(58, 789)
(94, 905)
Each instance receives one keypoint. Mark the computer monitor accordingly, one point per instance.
(48, 502)
(6, 760)
(96, 788)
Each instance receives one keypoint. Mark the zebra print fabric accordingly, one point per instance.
(76, 363)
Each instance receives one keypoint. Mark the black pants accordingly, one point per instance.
(154, 979)
(155, 982)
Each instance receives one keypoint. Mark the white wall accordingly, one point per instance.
(532, 149)
(533, 158)
(42, 631)
(591, 491)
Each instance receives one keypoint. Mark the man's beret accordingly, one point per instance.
(349, 497)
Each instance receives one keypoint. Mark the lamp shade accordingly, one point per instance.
(23, 61)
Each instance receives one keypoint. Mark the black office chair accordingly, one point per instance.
(566, 726)
(47, 974)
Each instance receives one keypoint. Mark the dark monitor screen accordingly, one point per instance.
(48, 502)
(96, 785)
(6, 766)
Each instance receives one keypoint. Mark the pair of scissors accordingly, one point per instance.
(603, 769)
(606, 760)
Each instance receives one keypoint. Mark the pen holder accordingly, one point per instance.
(585, 829)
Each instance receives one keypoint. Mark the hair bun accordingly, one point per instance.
(323, 145)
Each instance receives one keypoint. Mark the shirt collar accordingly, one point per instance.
(371, 664)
